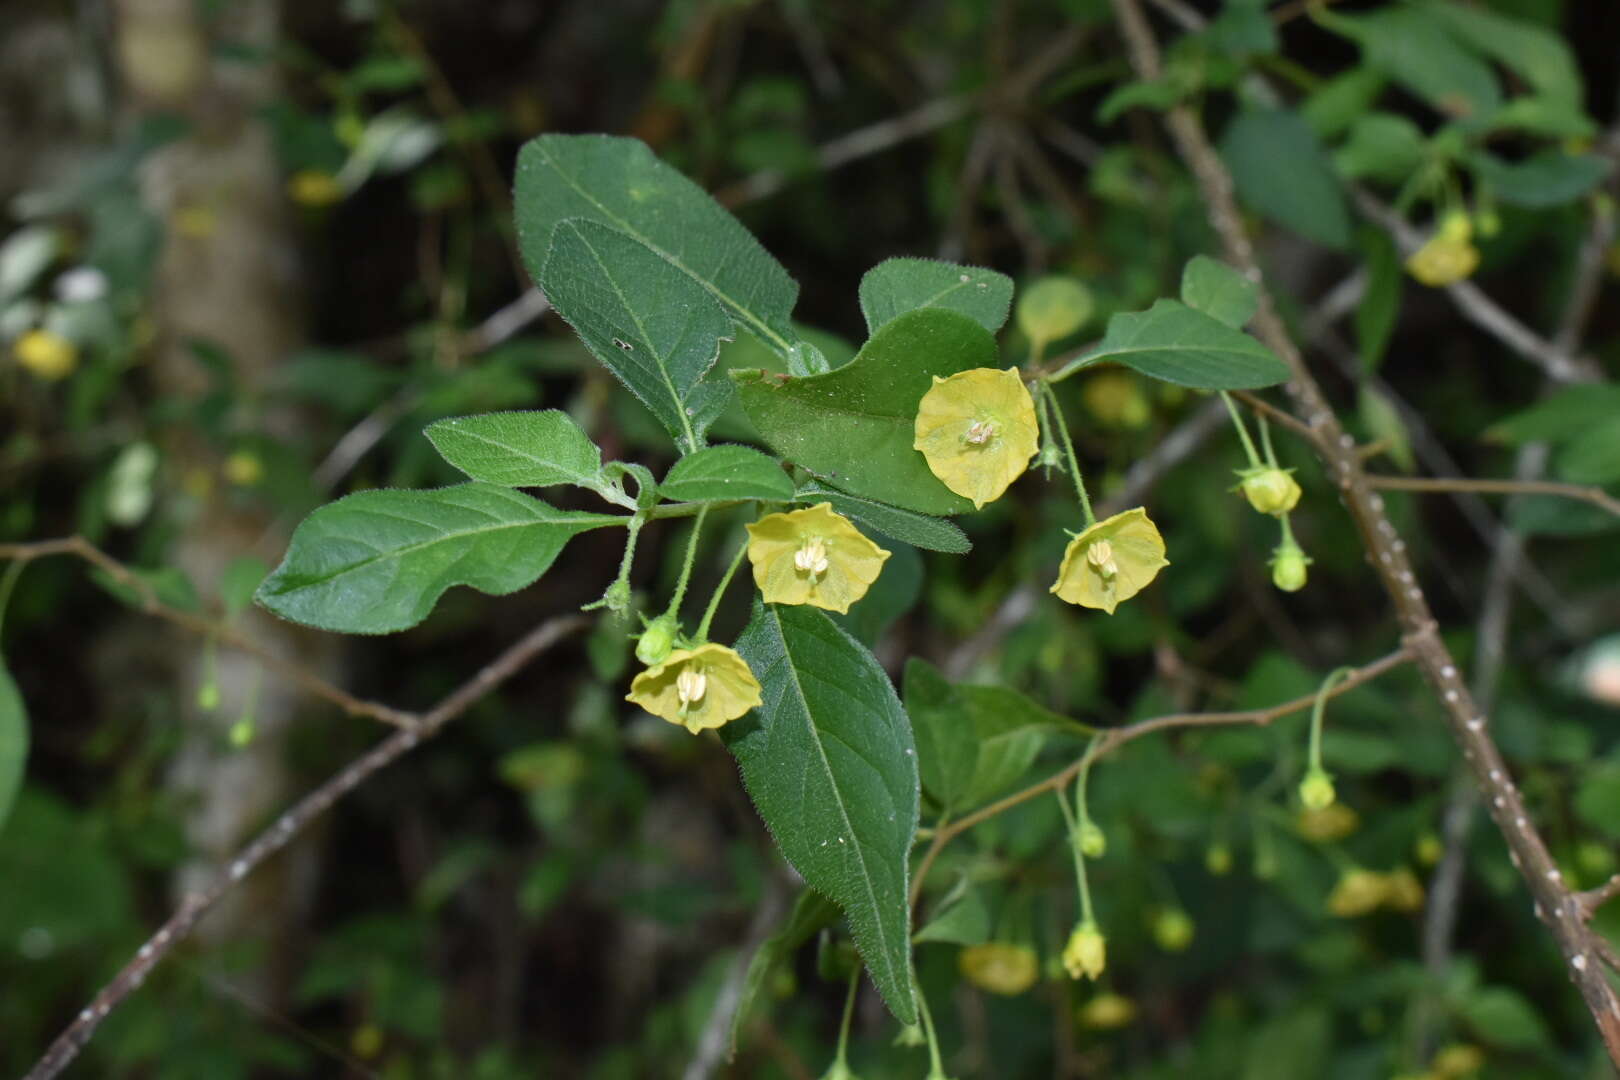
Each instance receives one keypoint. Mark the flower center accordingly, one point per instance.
(811, 558)
(690, 686)
(980, 432)
(1101, 556)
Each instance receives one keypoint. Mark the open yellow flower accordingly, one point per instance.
(1111, 561)
(977, 430)
(812, 556)
(1357, 892)
(1449, 256)
(1000, 968)
(1086, 954)
(703, 687)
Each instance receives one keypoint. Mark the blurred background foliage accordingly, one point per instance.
(271, 241)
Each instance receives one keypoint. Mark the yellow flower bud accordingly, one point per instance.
(1218, 860)
(47, 355)
(1288, 565)
(1093, 842)
(1270, 491)
(999, 968)
(1405, 891)
(314, 188)
(1457, 227)
(1328, 824)
(1316, 790)
(1111, 561)
(977, 431)
(1457, 1061)
(1086, 954)
(1173, 929)
(1428, 849)
(812, 556)
(244, 469)
(1443, 261)
(703, 687)
(1357, 893)
(1107, 1011)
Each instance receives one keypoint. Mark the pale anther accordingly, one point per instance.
(980, 432)
(1101, 555)
(690, 686)
(811, 558)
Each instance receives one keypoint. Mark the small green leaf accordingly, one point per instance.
(239, 581)
(962, 918)
(13, 743)
(811, 912)
(724, 473)
(1337, 103)
(169, 584)
(1381, 303)
(1157, 94)
(657, 330)
(1219, 291)
(918, 530)
(1503, 1017)
(520, 449)
(896, 286)
(1539, 56)
(1560, 416)
(619, 183)
(1593, 455)
(377, 561)
(1597, 800)
(1172, 342)
(1383, 146)
(854, 426)
(1547, 178)
(830, 764)
(1417, 49)
(1282, 172)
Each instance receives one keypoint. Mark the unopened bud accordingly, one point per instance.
(1093, 842)
(1218, 860)
(657, 641)
(1173, 930)
(1316, 790)
(1270, 491)
(1288, 565)
(1086, 954)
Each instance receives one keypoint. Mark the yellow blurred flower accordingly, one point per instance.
(1449, 256)
(1269, 490)
(1457, 1061)
(1316, 790)
(47, 355)
(812, 556)
(314, 188)
(1116, 399)
(1086, 954)
(1107, 1011)
(1405, 891)
(1111, 561)
(244, 469)
(1358, 892)
(1330, 823)
(195, 221)
(1173, 929)
(698, 688)
(999, 968)
(977, 430)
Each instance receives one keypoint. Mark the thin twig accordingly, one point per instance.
(1281, 416)
(1592, 899)
(292, 822)
(1452, 484)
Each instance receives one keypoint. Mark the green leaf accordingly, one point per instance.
(1548, 178)
(811, 912)
(918, 530)
(829, 762)
(619, 183)
(657, 330)
(520, 449)
(1502, 1017)
(1560, 416)
(854, 426)
(1158, 95)
(723, 473)
(1542, 58)
(1282, 172)
(1418, 50)
(1172, 342)
(1375, 316)
(13, 742)
(1219, 291)
(1383, 146)
(1597, 800)
(1340, 101)
(896, 286)
(1593, 455)
(962, 918)
(239, 581)
(378, 561)
(169, 584)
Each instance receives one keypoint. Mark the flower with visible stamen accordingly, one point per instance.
(1086, 954)
(977, 430)
(1111, 561)
(812, 556)
(706, 686)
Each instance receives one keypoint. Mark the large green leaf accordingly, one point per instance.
(652, 326)
(378, 561)
(1559, 417)
(1548, 178)
(854, 426)
(724, 473)
(520, 449)
(896, 286)
(1282, 172)
(918, 530)
(1417, 49)
(1172, 342)
(13, 742)
(618, 182)
(1219, 291)
(830, 764)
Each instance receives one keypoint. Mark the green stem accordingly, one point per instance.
(1068, 450)
(936, 1065)
(621, 583)
(1265, 441)
(849, 1012)
(1288, 540)
(719, 591)
(686, 567)
(1243, 432)
(1318, 709)
(1080, 785)
(8, 581)
(1074, 849)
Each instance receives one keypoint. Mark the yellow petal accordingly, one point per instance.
(1000, 968)
(812, 556)
(1086, 954)
(728, 687)
(977, 431)
(1136, 553)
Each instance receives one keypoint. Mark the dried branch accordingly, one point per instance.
(1559, 907)
(1452, 484)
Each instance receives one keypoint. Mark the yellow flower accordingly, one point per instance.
(314, 188)
(1173, 929)
(49, 356)
(1316, 790)
(1405, 890)
(1444, 260)
(1107, 1011)
(812, 556)
(1270, 491)
(998, 968)
(244, 469)
(698, 688)
(1357, 893)
(977, 430)
(1111, 561)
(1458, 1060)
(1327, 824)
(1086, 953)
(1116, 399)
